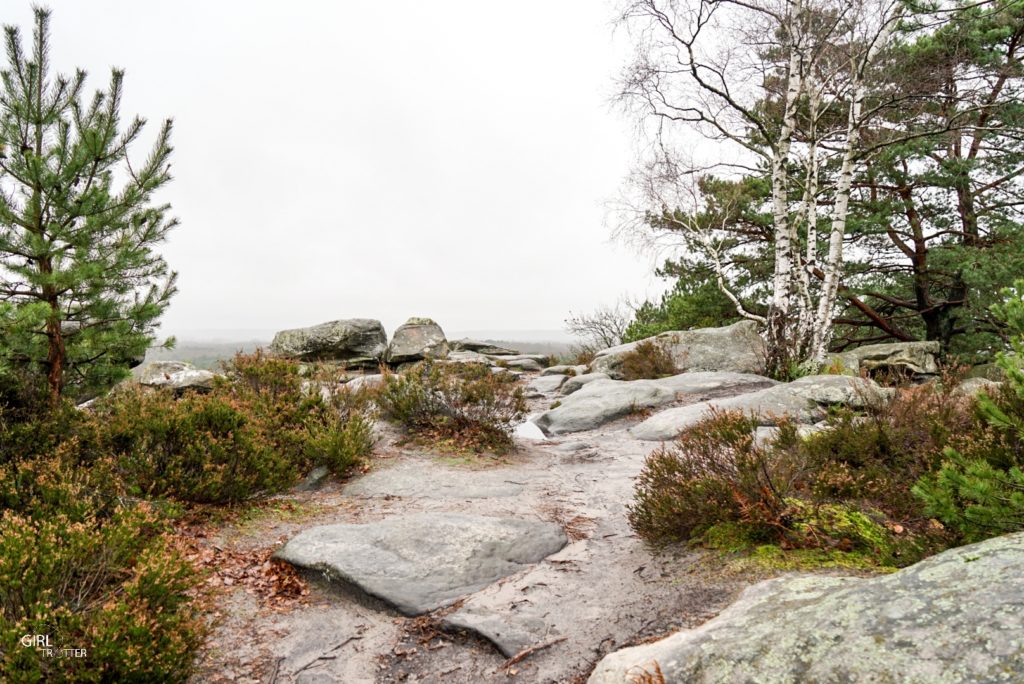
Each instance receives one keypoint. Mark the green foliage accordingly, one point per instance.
(689, 304)
(979, 491)
(91, 573)
(647, 360)
(254, 433)
(81, 287)
(464, 404)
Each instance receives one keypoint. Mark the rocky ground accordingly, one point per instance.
(601, 591)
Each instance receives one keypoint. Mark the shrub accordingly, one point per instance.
(876, 458)
(715, 473)
(255, 433)
(463, 404)
(648, 360)
(979, 490)
(92, 574)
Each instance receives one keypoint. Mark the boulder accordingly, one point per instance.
(419, 563)
(953, 618)
(365, 382)
(737, 348)
(353, 342)
(177, 375)
(915, 358)
(417, 339)
(578, 381)
(541, 360)
(480, 347)
(468, 357)
(564, 370)
(972, 386)
(523, 364)
(805, 401)
(545, 384)
(600, 400)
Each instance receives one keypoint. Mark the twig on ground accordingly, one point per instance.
(527, 652)
(326, 655)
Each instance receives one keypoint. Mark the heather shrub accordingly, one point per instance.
(714, 473)
(256, 432)
(93, 574)
(648, 360)
(876, 457)
(465, 405)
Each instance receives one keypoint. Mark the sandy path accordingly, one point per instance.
(603, 591)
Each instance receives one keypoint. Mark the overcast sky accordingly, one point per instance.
(441, 158)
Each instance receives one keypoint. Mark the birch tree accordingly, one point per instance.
(776, 86)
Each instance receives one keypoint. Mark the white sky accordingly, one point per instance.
(346, 159)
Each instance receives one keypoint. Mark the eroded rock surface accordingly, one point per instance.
(737, 348)
(804, 401)
(419, 563)
(417, 339)
(954, 618)
(914, 358)
(176, 375)
(354, 342)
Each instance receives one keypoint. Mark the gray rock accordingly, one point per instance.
(529, 430)
(510, 634)
(917, 358)
(428, 480)
(481, 347)
(422, 562)
(354, 342)
(957, 617)
(576, 382)
(364, 382)
(540, 359)
(564, 370)
(972, 386)
(737, 348)
(805, 401)
(602, 401)
(315, 480)
(520, 364)
(545, 384)
(176, 375)
(468, 357)
(417, 339)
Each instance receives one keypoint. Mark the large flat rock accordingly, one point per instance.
(804, 401)
(954, 618)
(602, 400)
(429, 480)
(419, 563)
(354, 341)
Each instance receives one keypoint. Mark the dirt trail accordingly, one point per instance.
(603, 591)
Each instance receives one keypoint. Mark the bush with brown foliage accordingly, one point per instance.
(714, 473)
(648, 360)
(464, 405)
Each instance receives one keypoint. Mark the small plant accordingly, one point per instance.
(648, 360)
(714, 473)
(462, 404)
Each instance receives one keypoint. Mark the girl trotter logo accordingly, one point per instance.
(43, 644)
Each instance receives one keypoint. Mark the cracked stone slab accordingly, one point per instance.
(419, 563)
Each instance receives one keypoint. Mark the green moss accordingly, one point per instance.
(842, 524)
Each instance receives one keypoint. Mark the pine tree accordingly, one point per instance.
(81, 287)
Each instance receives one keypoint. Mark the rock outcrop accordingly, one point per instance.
(913, 358)
(954, 618)
(419, 563)
(603, 400)
(804, 401)
(416, 340)
(176, 375)
(353, 342)
(481, 347)
(737, 348)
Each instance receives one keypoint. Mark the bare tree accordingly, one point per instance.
(602, 328)
(778, 86)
